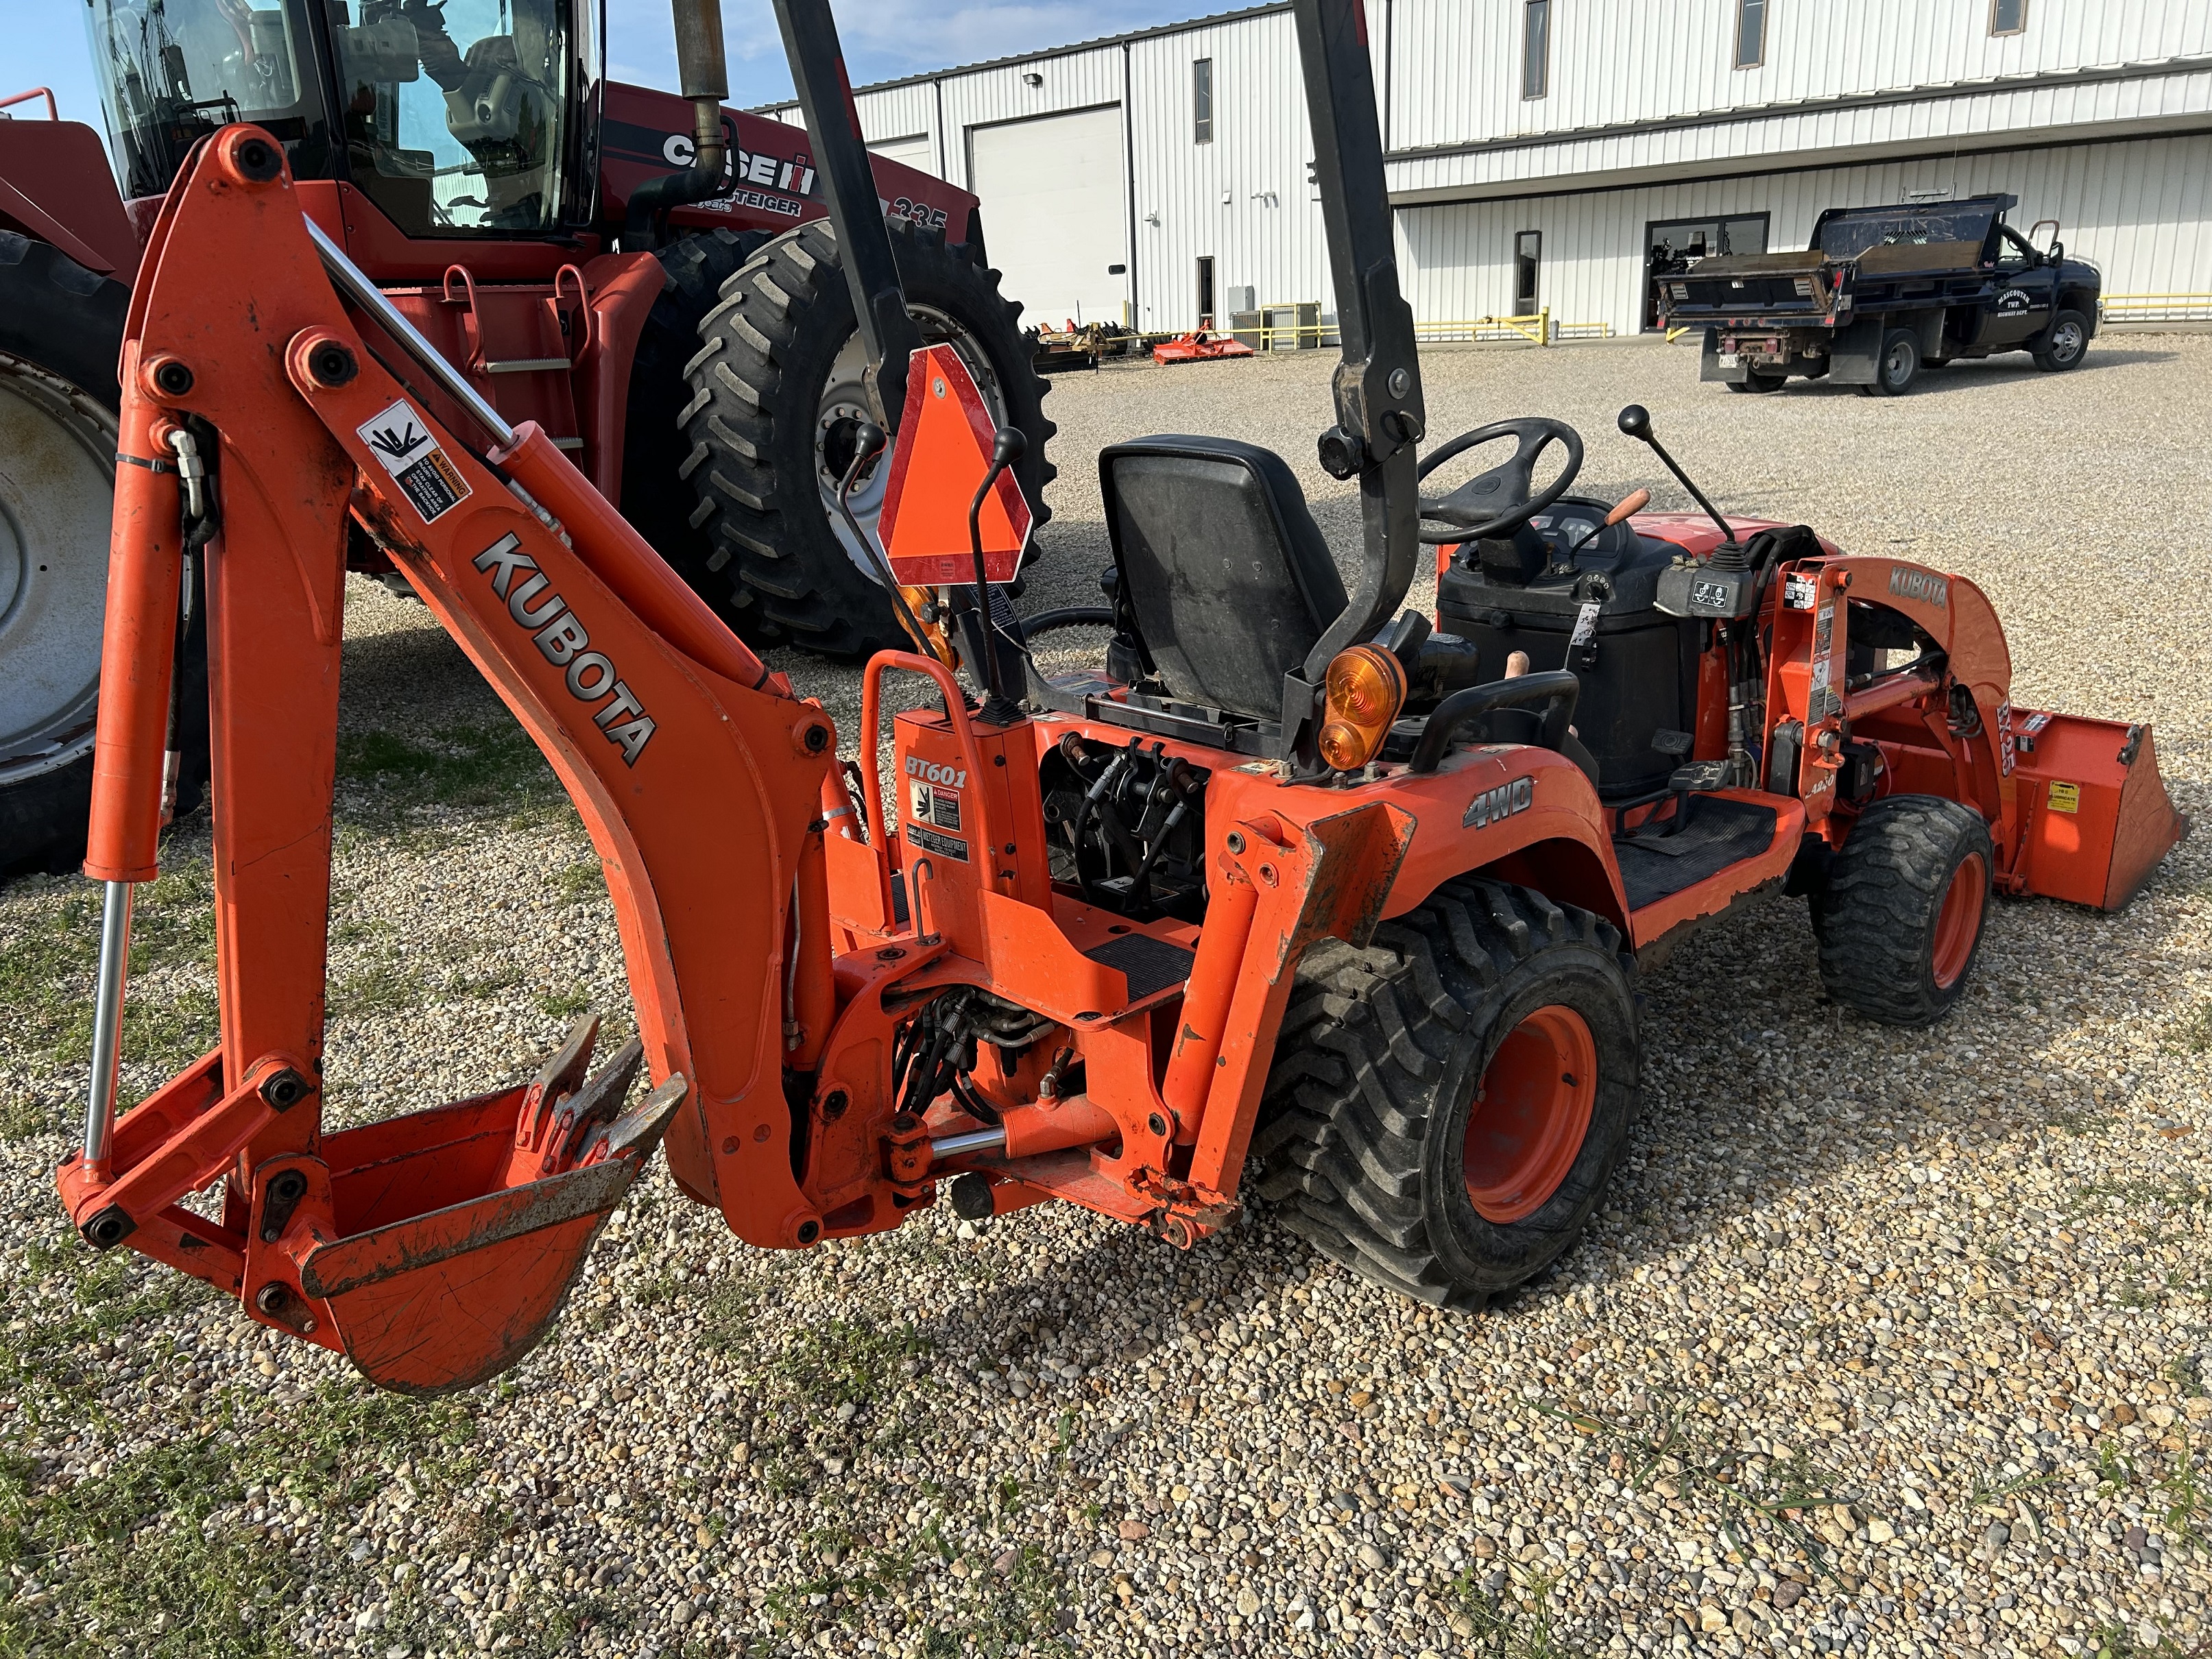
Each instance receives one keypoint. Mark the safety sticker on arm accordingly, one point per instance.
(401, 440)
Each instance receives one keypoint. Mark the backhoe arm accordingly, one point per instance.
(686, 760)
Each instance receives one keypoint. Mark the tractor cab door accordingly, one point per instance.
(2025, 285)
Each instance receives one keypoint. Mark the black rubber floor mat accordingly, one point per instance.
(1149, 964)
(1720, 833)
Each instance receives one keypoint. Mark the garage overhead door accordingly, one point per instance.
(916, 152)
(1053, 218)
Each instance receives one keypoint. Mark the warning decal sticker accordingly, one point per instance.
(2064, 797)
(401, 440)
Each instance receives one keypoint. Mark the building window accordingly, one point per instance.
(1201, 101)
(2008, 16)
(1536, 47)
(1750, 33)
(1205, 292)
(1528, 250)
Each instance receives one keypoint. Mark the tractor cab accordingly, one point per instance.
(467, 119)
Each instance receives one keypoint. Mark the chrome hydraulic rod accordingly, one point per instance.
(354, 284)
(976, 1140)
(107, 1021)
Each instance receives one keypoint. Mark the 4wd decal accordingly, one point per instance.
(1923, 585)
(401, 440)
(1493, 805)
(562, 641)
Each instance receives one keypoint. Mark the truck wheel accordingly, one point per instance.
(654, 497)
(776, 395)
(2065, 343)
(1447, 1106)
(1754, 382)
(1899, 917)
(61, 328)
(1898, 366)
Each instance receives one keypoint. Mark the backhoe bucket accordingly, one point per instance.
(2096, 816)
(463, 1228)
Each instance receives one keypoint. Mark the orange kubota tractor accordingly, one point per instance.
(474, 159)
(1289, 872)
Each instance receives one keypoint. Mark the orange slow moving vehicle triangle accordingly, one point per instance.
(943, 446)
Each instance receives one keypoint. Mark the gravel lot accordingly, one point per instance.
(1885, 1343)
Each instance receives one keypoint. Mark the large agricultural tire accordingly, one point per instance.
(775, 396)
(1899, 917)
(1447, 1106)
(61, 328)
(654, 497)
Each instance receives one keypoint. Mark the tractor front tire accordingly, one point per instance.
(777, 396)
(654, 497)
(61, 329)
(1447, 1106)
(1899, 917)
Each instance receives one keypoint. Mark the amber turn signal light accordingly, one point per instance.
(1365, 690)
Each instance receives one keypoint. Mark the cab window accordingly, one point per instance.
(2014, 255)
(453, 114)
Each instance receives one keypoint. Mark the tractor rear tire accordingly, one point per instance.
(776, 398)
(1447, 1106)
(654, 497)
(61, 329)
(1899, 917)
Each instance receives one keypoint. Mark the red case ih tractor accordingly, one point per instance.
(1289, 872)
(472, 159)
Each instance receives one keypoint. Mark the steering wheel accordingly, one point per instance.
(1496, 500)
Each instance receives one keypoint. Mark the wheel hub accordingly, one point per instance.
(844, 405)
(1531, 1114)
(56, 492)
(1959, 922)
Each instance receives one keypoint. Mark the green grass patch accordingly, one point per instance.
(152, 1554)
(495, 766)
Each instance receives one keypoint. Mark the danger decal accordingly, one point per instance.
(400, 439)
(562, 640)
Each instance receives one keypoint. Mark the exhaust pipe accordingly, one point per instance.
(704, 71)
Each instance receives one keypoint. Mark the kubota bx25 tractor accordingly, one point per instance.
(472, 157)
(1287, 872)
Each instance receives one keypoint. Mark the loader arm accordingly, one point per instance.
(685, 757)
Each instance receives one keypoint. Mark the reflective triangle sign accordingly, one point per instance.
(942, 452)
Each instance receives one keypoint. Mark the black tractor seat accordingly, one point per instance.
(1223, 587)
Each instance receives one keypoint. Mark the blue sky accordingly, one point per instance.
(884, 39)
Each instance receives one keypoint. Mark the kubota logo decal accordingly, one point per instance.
(1503, 802)
(1923, 585)
(562, 641)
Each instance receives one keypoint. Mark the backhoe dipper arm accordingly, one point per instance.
(1379, 412)
(685, 757)
(856, 212)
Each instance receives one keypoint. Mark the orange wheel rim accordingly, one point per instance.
(1958, 923)
(1531, 1114)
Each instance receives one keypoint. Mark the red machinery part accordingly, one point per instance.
(2096, 816)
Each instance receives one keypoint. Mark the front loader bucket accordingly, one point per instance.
(461, 1228)
(2095, 819)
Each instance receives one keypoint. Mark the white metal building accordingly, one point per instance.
(1540, 149)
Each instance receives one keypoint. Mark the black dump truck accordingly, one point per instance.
(1883, 293)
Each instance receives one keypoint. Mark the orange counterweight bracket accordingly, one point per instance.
(436, 1246)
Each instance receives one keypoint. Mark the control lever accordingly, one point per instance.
(1008, 447)
(1636, 422)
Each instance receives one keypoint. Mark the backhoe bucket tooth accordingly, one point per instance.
(443, 1298)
